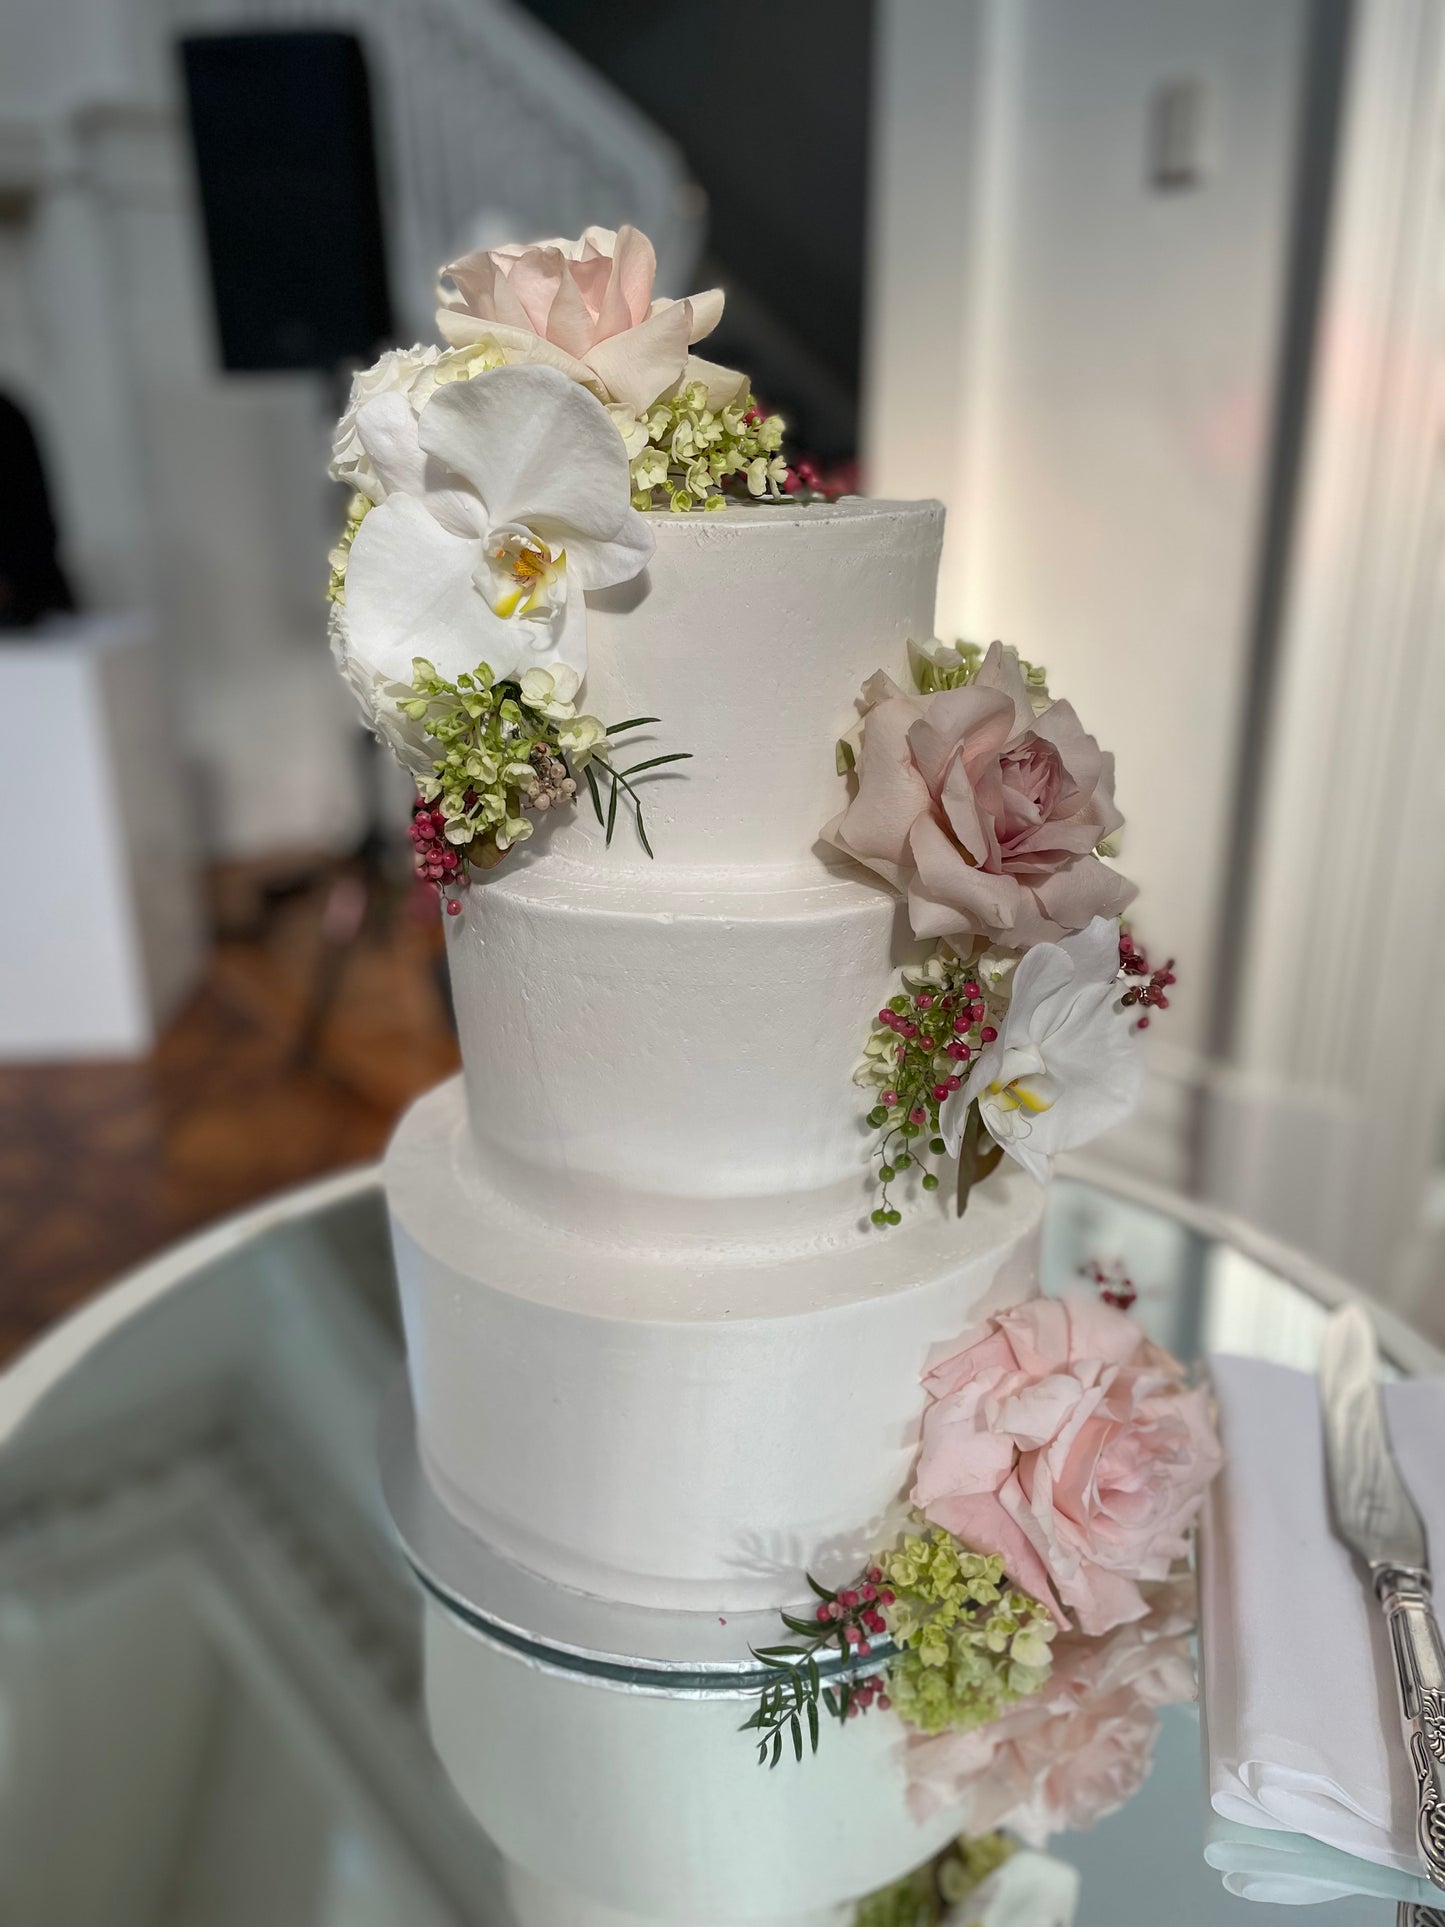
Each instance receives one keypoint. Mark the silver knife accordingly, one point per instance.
(1376, 1518)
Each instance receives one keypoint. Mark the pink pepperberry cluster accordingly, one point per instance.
(1113, 1283)
(806, 474)
(855, 1612)
(867, 1693)
(438, 863)
(938, 1031)
(1134, 962)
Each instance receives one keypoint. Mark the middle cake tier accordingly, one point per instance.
(667, 1061)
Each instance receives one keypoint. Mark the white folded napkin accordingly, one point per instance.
(1297, 1685)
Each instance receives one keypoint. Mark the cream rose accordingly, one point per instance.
(985, 815)
(586, 307)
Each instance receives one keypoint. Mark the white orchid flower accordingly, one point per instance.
(1066, 1065)
(504, 499)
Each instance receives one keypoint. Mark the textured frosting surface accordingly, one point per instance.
(749, 635)
(646, 1424)
(663, 1048)
(657, 1351)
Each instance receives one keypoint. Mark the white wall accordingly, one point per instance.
(1084, 367)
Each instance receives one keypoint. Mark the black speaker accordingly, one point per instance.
(282, 131)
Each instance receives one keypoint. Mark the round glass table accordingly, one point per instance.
(209, 1640)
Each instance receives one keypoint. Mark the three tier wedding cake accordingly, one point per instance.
(694, 1337)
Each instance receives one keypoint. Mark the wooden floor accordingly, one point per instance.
(101, 1164)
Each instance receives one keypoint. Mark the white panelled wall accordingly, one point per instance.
(1085, 299)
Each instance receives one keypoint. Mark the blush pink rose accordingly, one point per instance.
(586, 307)
(1078, 1749)
(985, 815)
(1066, 1442)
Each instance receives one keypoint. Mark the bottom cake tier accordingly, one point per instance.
(692, 1427)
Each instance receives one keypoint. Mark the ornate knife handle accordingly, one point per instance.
(1420, 1676)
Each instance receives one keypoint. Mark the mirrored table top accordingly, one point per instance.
(209, 1641)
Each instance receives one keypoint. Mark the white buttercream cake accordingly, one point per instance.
(657, 1349)
(671, 1337)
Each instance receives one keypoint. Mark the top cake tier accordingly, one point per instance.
(749, 635)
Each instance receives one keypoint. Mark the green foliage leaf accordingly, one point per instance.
(587, 771)
(656, 762)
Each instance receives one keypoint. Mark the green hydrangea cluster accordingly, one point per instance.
(500, 748)
(949, 665)
(685, 455)
(969, 1644)
(931, 1892)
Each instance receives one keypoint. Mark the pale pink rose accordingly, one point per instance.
(985, 815)
(586, 307)
(1066, 1442)
(1076, 1750)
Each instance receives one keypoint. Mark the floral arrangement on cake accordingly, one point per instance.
(1035, 1616)
(495, 479)
(990, 809)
